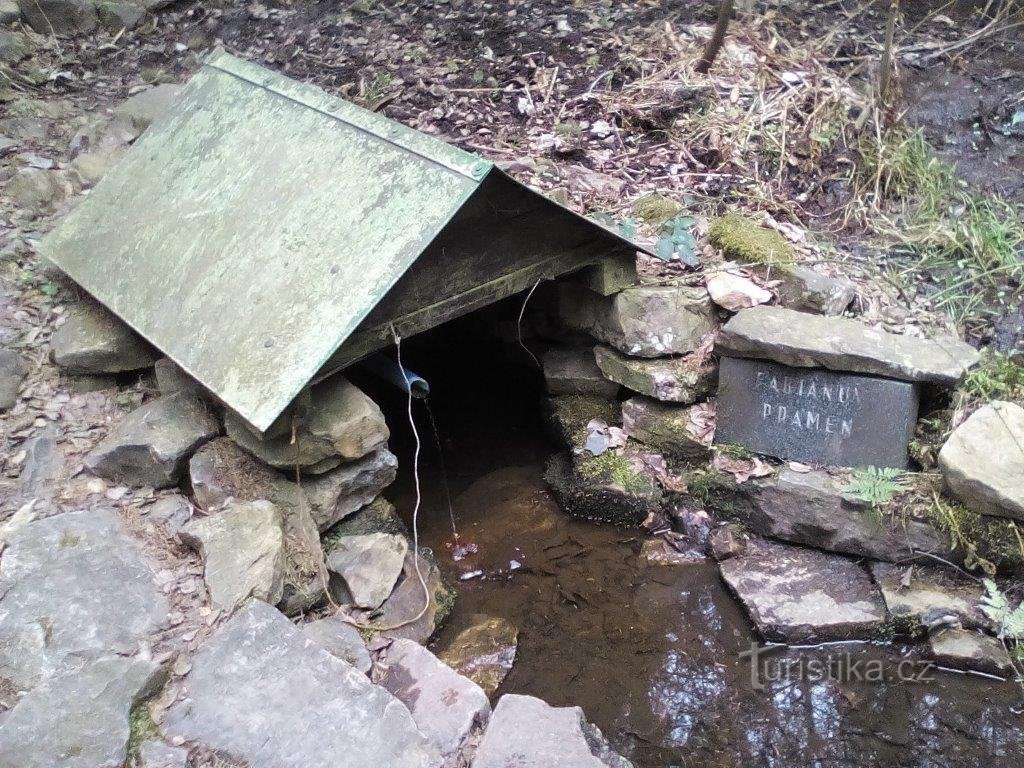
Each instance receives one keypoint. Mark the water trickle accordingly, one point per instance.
(459, 549)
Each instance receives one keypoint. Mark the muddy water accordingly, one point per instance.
(651, 654)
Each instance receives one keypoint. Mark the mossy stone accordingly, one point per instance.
(744, 240)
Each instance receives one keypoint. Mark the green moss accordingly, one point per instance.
(655, 210)
(141, 728)
(984, 542)
(712, 488)
(734, 451)
(572, 413)
(445, 597)
(743, 239)
(611, 467)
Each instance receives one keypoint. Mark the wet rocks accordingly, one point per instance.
(369, 565)
(93, 341)
(805, 340)
(73, 586)
(967, 649)
(983, 460)
(146, 106)
(60, 17)
(613, 487)
(339, 423)
(259, 688)
(674, 379)
(574, 372)
(484, 651)
(12, 371)
(446, 706)
(917, 593)
(9, 11)
(340, 639)
(800, 595)
(669, 429)
(243, 552)
(153, 443)
(78, 718)
(812, 508)
(645, 321)
(525, 732)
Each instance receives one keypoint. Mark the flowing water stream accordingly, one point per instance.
(653, 653)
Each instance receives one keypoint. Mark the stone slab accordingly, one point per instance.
(262, 691)
(815, 416)
(840, 344)
(798, 595)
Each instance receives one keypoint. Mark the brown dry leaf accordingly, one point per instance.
(796, 466)
(734, 292)
(702, 422)
(741, 469)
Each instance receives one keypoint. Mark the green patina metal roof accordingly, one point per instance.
(255, 224)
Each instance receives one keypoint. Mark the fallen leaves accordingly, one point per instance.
(741, 468)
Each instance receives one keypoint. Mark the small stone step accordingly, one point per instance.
(804, 340)
(969, 649)
(798, 595)
(665, 427)
(922, 593)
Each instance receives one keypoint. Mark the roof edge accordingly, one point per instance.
(313, 97)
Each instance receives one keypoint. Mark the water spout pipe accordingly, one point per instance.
(406, 380)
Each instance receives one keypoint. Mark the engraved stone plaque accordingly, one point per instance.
(814, 415)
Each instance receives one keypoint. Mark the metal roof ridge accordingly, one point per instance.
(425, 146)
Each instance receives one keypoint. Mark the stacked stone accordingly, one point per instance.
(651, 340)
(286, 515)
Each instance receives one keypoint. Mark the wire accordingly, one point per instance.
(519, 323)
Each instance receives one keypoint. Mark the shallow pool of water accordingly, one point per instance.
(652, 653)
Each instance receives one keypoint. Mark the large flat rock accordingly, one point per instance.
(78, 719)
(805, 340)
(260, 690)
(152, 445)
(798, 595)
(446, 706)
(526, 732)
(983, 460)
(813, 509)
(74, 586)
